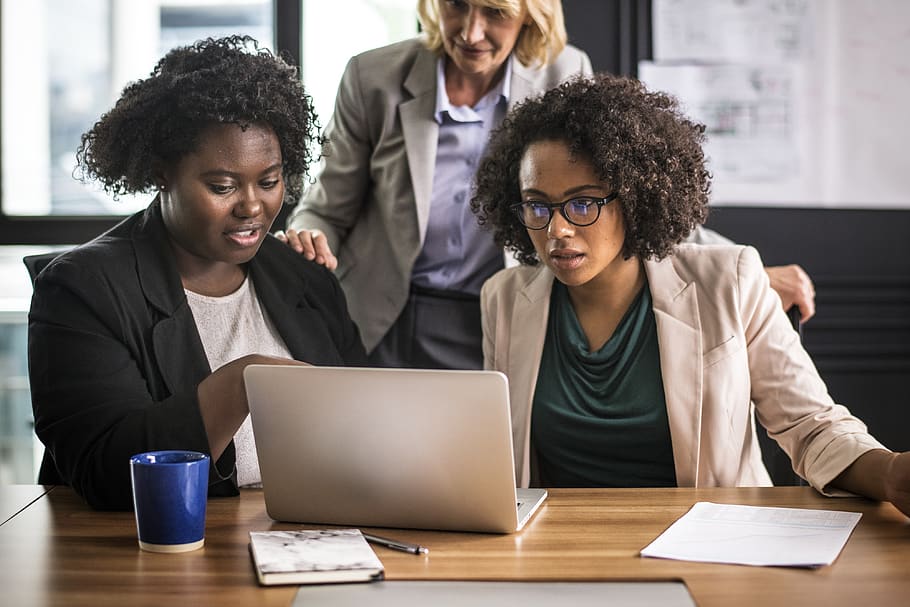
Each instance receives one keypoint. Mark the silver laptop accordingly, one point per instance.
(410, 448)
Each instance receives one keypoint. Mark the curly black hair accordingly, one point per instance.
(158, 120)
(637, 141)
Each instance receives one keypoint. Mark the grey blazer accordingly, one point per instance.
(372, 196)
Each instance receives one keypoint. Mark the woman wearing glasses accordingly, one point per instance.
(634, 360)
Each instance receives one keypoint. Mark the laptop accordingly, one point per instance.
(405, 448)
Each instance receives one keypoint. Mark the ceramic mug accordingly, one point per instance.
(170, 489)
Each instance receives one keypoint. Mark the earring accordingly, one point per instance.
(162, 187)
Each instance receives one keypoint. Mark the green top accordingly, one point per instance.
(599, 418)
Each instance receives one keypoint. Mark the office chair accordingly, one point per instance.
(35, 263)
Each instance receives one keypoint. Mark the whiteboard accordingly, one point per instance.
(806, 101)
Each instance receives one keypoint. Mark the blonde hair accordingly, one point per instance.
(539, 42)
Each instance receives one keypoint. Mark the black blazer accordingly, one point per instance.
(115, 357)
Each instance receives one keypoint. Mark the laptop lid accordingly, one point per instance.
(410, 448)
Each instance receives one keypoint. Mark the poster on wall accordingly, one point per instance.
(803, 100)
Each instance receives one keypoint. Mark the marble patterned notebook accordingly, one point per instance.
(326, 556)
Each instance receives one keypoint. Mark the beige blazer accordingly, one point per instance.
(726, 349)
(372, 196)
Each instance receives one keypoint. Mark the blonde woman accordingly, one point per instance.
(390, 207)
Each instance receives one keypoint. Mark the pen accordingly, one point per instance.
(396, 545)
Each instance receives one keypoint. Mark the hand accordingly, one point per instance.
(897, 482)
(222, 399)
(881, 475)
(312, 244)
(795, 289)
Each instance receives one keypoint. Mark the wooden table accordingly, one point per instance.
(14, 498)
(59, 552)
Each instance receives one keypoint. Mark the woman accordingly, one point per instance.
(633, 361)
(138, 339)
(410, 123)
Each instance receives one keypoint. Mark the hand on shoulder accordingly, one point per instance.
(312, 244)
(794, 287)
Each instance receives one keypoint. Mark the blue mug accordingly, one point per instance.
(170, 489)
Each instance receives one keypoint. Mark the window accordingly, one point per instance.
(82, 54)
(326, 50)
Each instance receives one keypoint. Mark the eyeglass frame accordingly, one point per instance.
(552, 206)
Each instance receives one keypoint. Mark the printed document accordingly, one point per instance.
(750, 535)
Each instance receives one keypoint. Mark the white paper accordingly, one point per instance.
(820, 90)
(731, 30)
(750, 535)
(751, 117)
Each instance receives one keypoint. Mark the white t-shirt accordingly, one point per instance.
(232, 327)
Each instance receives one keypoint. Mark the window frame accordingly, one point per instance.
(76, 229)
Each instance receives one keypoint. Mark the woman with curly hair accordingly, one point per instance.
(634, 360)
(138, 339)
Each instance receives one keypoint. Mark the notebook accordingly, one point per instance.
(324, 556)
(410, 448)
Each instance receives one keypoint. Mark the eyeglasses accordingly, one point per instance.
(536, 214)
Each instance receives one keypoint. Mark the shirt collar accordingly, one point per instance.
(497, 94)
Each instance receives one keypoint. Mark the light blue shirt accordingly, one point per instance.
(457, 254)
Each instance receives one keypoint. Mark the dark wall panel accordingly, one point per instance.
(616, 34)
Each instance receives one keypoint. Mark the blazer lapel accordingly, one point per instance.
(528, 333)
(679, 338)
(301, 326)
(524, 82)
(421, 132)
(183, 366)
(180, 366)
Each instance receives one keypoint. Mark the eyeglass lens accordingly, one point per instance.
(580, 211)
